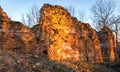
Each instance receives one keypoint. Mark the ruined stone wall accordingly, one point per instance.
(3, 16)
(66, 38)
(14, 35)
(58, 35)
(108, 44)
(88, 42)
(58, 31)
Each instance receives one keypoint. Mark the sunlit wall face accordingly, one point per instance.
(119, 36)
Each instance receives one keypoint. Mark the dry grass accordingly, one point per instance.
(20, 62)
(14, 62)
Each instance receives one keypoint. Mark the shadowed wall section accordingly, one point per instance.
(108, 44)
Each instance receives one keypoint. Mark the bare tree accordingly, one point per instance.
(115, 21)
(104, 15)
(82, 15)
(71, 9)
(23, 19)
(102, 12)
(32, 17)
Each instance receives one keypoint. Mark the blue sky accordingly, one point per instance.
(15, 8)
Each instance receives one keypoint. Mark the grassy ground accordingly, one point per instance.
(20, 62)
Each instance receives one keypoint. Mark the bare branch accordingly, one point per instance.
(102, 11)
(72, 11)
(82, 16)
(32, 17)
